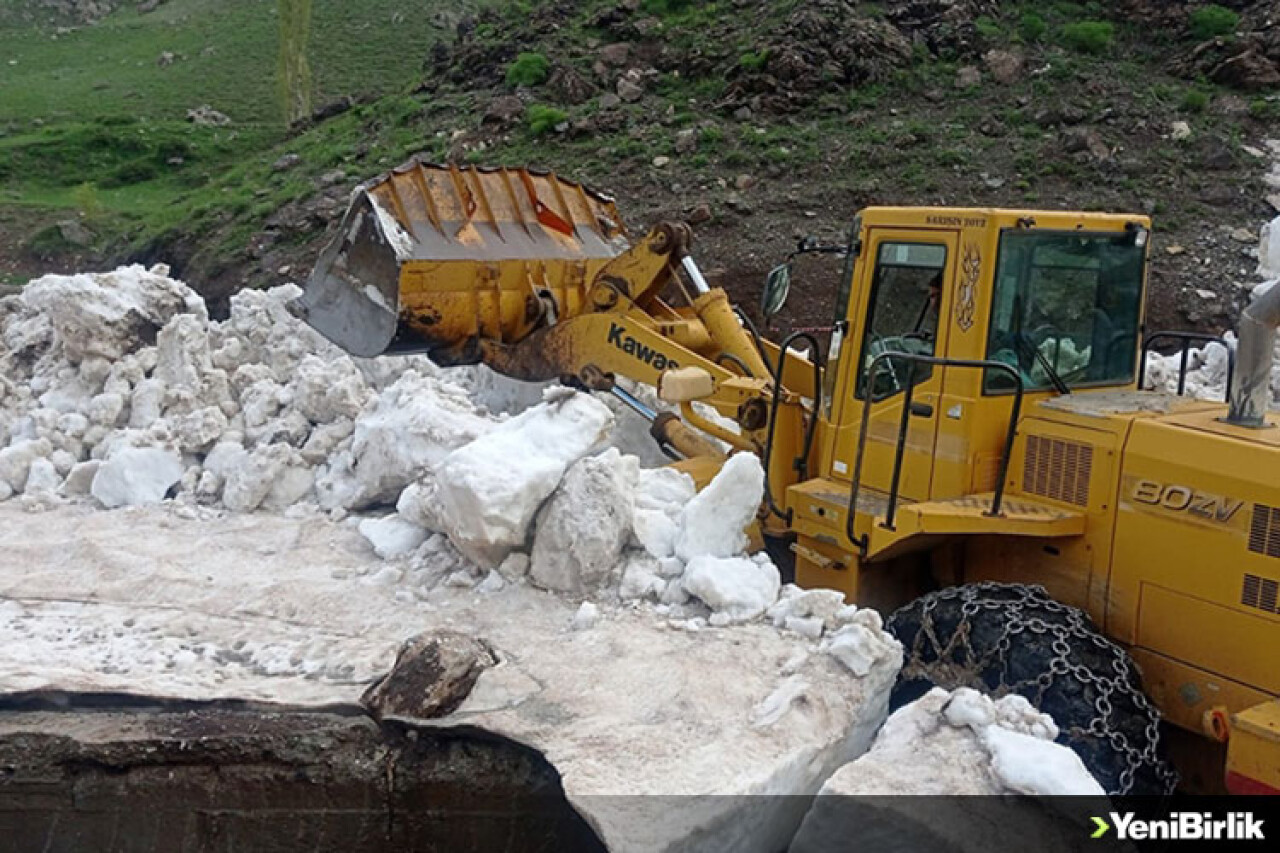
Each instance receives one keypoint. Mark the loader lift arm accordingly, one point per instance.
(531, 275)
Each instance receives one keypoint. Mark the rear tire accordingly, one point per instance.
(1010, 638)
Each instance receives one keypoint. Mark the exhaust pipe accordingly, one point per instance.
(1251, 385)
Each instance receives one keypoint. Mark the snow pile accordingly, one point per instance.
(1207, 366)
(963, 742)
(119, 387)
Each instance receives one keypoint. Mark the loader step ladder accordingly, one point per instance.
(965, 515)
(970, 516)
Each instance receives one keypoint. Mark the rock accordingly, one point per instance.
(1249, 69)
(1005, 66)
(515, 567)
(136, 476)
(333, 107)
(74, 232)
(610, 101)
(686, 140)
(660, 161)
(433, 674)
(1085, 139)
(967, 77)
(580, 532)
(1217, 155)
(616, 55)
(286, 162)
(206, 116)
(699, 214)
(392, 536)
(629, 89)
(570, 87)
(744, 182)
(738, 204)
(1179, 130)
(166, 59)
(1175, 250)
(503, 110)
(328, 179)
(1243, 235)
(1204, 294)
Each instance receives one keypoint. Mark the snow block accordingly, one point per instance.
(737, 589)
(490, 489)
(713, 523)
(581, 530)
(135, 476)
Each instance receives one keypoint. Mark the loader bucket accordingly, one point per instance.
(432, 258)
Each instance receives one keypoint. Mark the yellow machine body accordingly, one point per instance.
(1144, 509)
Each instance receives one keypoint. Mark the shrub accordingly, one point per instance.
(665, 7)
(754, 61)
(1032, 27)
(1194, 101)
(86, 200)
(529, 69)
(1089, 36)
(1261, 108)
(543, 118)
(1212, 21)
(988, 28)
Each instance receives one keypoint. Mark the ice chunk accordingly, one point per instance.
(580, 531)
(490, 489)
(1029, 765)
(133, 476)
(660, 498)
(109, 314)
(640, 579)
(800, 606)
(585, 618)
(860, 646)
(1269, 250)
(392, 536)
(738, 588)
(16, 459)
(713, 523)
(412, 427)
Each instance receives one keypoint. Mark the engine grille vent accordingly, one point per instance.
(1261, 593)
(1264, 532)
(1057, 469)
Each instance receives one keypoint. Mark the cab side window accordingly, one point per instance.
(906, 293)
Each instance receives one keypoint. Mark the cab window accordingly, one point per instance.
(902, 316)
(1066, 309)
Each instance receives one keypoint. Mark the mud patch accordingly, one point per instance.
(217, 779)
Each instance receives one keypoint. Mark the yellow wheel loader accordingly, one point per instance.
(974, 454)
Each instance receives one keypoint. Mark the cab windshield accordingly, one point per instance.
(1066, 309)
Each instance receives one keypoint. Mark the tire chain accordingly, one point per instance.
(1011, 603)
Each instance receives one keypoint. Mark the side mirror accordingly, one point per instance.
(777, 285)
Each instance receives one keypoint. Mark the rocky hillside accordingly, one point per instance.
(761, 122)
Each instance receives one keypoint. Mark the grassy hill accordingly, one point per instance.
(761, 121)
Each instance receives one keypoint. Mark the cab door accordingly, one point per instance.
(901, 291)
